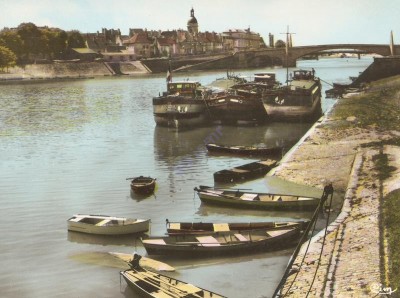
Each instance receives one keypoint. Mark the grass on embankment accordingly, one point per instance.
(378, 109)
(391, 215)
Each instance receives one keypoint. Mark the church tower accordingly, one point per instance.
(192, 25)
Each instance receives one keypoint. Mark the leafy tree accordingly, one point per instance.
(280, 43)
(32, 39)
(7, 58)
(75, 40)
(10, 39)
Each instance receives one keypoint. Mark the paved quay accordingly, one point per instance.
(353, 255)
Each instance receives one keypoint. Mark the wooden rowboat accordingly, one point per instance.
(143, 185)
(199, 228)
(248, 171)
(238, 198)
(244, 150)
(107, 225)
(221, 244)
(151, 284)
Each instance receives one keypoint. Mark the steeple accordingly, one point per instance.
(192, 25)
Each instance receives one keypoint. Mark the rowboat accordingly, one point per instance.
(143, 185)
(150, 284)
(199, 228)
(107, 225)
(248, 171)
(238, 198)
(221, 244)
(244, 150)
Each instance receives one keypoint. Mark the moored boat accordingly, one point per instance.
(254, 200)
(151, 284)
(221, 244)
(182, 105)
(143, 185)
(199, 228)
(244, 150)
(248, 171)
(300, 100)
(107, 225)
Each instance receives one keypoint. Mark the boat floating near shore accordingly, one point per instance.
(107, 225)
(201, 228)
(182, 105)
(300, 100)
(244, 150)
(223, 243)
(255, 200)
(245, 172)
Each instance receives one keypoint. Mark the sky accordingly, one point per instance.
(312, 22)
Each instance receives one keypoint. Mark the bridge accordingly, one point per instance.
(278, 55)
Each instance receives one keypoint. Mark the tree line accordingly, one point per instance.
(27, 43)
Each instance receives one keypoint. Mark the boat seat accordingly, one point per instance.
(208, 241)
(240, 237)
(266, 198)
(175, 225)
(250, 197)
(223, 227)
(103, 222)
(155, 241)
(277, 232)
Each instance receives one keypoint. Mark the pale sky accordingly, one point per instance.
(313, 21)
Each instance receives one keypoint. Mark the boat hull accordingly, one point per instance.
(150, 284)
(179, 112)
(207, 228)
(233, 109)
(253, 241)
(246, 172)
(143, 185)
(250, 200)
(244, 150)
(129, 227)
(290, 105)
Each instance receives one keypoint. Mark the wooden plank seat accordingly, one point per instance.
(208, 241)
(240, 237)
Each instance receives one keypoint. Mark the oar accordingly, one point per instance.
(144, 262)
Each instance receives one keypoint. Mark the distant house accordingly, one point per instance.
(238, 40)
(140, 44)
(165, 47)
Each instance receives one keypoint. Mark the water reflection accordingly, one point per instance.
(125, 240)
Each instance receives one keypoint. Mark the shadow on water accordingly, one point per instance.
(124, 240)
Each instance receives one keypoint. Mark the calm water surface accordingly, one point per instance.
(68, 148)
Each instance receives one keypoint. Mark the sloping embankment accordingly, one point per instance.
(346, 148)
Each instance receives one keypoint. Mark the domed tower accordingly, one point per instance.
(192, 25)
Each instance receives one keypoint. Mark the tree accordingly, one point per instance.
(280, 44)
(7, 58)
(75, 40)
(32, 39)
(11, 40)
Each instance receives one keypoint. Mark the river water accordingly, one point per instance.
(68, 148)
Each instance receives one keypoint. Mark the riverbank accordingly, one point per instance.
(356, 148)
